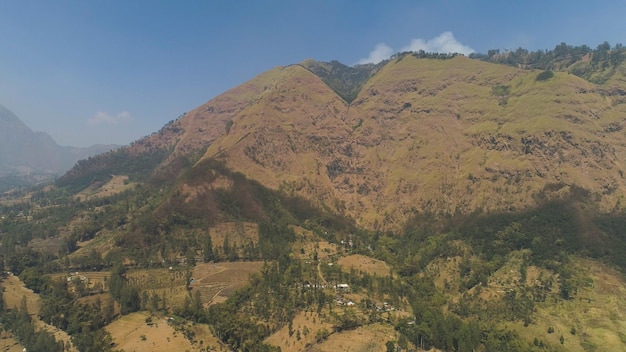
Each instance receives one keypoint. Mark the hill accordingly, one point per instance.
(430, 202)
(423, 135)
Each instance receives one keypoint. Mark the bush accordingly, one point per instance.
(545, 75)
(500, 90)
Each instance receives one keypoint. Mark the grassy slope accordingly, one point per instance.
(597, 314)
(423, 134)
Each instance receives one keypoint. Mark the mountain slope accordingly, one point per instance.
(423, 135)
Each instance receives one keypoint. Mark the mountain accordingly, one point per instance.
(422, 135)
(24, 152)
(428, 136)
(429, 202)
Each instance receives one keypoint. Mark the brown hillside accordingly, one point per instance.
(422, 135)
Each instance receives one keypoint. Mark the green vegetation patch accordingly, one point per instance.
(545, 75)
(346, 81)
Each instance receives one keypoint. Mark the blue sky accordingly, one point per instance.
(108, 71)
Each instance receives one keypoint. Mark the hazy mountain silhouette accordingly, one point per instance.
(23, 151)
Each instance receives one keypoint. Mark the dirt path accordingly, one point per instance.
(14, 291)
(319, 273)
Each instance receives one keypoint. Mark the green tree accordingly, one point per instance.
(207, 249)
(129, 300)
(391, 347)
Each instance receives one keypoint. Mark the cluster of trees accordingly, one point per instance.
(47, 214)
(99, 168)
(83, 321)
(345, 80)
(127, 295)
(19, 321)
(547, 235)
(20, 182)
(582, 60)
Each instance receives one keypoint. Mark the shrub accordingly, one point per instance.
(545, 75)
(500, 90)
(228, 126)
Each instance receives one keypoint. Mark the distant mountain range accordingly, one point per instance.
(24, 153)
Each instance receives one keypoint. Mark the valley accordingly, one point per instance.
(427, 203)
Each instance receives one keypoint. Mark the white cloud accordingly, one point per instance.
(443, 43)
(380, 53)
(104, 118)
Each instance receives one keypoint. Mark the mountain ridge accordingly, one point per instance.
(470, 127)
(376, 119)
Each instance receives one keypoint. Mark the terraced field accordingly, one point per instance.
(217, 281)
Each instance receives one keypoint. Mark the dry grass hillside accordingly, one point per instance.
(422, 135)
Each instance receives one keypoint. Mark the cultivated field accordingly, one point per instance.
(365, 264)
(369, 338)
(133, 333)
(116, 185)
(95, 279)
(305, 326)
(217, 281)
(308, 244)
